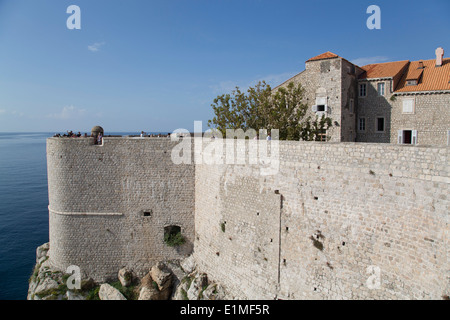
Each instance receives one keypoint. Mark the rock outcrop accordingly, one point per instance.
(108, 292)
(171, 280)
(195, 285)
(45, 282)
(125, 277)
(157, 284)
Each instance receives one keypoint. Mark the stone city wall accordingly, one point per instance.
(331, 221)
(338, 221)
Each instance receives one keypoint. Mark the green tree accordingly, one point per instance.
(263, 108)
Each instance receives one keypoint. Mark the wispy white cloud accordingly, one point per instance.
(68, 112)
(96, 46)
(224, 87)
(17, 113)
(369, 60)
(272, 79)
(275, 79)
(14, 113)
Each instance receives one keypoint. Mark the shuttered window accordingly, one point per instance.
(408, 105)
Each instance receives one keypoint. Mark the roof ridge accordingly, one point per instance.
(371, 64)
(325, 55)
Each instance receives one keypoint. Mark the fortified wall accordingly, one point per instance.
(109, 204)
(333, 221)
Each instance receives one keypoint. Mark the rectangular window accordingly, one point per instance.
(321, 108)
(352, 106)
(362, 124)
(321, 135)
(362, 90)
(380, 88)
(407, 136)
(408, 105)
(147, 213)
(380, 125)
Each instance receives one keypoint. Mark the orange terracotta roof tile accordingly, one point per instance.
(383, 70)
(326, 55)
(414, 74)
(433, 78)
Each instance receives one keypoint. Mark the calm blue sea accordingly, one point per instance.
(23, 208)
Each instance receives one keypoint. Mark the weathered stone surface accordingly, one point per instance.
(162, 276)
(70, 295)
(149, 293)
(198, 282)
(46, 285)
(193, 292)
(181, 291)
(188, 264)
(108, 292)
(210, 292)
(148, 289)
(41, 252)
(125, 277)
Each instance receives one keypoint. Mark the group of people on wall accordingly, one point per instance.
(71, 134)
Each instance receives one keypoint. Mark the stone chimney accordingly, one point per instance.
(439, 56)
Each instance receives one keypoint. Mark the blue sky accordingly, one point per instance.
(157, 65)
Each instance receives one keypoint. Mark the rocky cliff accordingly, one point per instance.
(166, 280)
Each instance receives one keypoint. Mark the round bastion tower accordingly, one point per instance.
(110, 203)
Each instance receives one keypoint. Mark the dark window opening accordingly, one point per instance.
(407, 136)
(362, 90)
(362, 124)
(321, 108)
(148, 213)
(380, 124)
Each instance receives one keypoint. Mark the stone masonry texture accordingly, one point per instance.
(97, 199)
(335, 221)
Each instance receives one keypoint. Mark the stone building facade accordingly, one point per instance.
(330, 84)
(401, 102)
